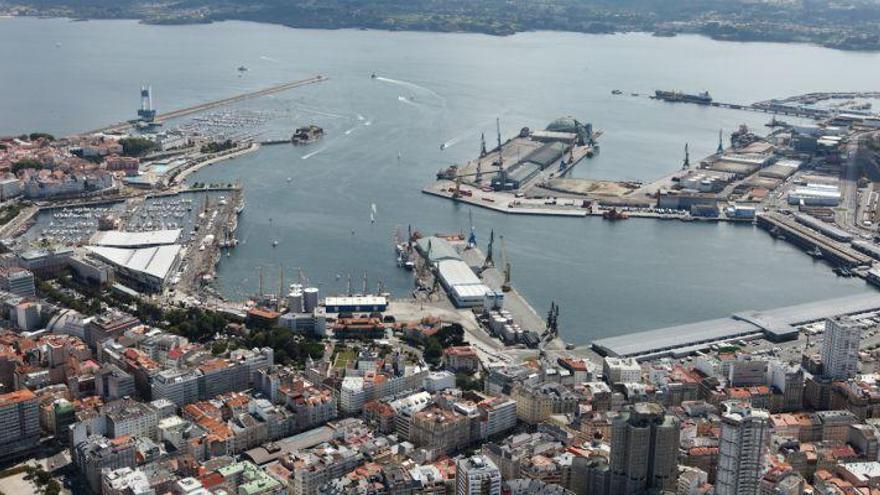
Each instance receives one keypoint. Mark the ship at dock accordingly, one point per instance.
(703, 98)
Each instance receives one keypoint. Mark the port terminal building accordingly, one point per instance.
(776, 325)
(457, 278)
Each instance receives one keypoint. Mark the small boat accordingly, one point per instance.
(289, 179)
(373, 75)
(274, 243)
(442, 146)
(614, 215)
(616, 92)
(242, 68)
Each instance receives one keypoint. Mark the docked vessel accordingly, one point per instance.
(703, 98)
(614, 214)
(307, 134)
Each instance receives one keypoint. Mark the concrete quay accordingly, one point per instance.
(217, 103)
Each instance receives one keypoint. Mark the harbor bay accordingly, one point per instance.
(383, 140)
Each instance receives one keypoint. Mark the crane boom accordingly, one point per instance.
(505, 263)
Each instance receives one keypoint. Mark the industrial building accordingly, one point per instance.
(461, 283)
(815, 195)
(825, 228)
(774, 324)
(436, 249)
(355, 304)
(121, 239)
(149, 268)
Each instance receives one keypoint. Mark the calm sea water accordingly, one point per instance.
(609, 279)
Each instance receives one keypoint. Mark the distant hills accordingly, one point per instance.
(843, 24)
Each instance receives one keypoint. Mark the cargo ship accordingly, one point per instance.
(677, 96)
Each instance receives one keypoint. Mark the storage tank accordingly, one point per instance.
(295, 298)
(310, 299)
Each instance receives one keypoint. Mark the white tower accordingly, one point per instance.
(741, 450)
(840, 349)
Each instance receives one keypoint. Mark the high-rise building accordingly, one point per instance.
(97, 453)
(477, 475)
(17, 281)
(743, 437)
(840, 349)
(644, 450)
(19, 423)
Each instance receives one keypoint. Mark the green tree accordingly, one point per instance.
(41, 135)
(136, 146)
(218, 347)
(433, 351)
(25, 164)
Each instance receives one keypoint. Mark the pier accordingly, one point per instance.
(787, 228)
(183, 112)
(776, 325)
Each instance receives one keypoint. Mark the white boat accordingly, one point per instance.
(274, 243)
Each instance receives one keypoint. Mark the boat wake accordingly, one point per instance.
(404, 99)
(269, 59)
(457, 139)
(321, 112)
(350, 131)
(360, 117)
(410, 85)
(309, 155)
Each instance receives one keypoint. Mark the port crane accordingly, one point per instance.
(553, 320)
(687, 158)
(505, 284)
(489, 261)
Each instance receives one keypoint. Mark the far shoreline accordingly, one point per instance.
(656, 34)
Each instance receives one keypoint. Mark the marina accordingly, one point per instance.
(331, 192)
(183, 112)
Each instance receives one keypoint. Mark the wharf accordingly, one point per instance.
(183, 112)
(773, 324)
(835, 252)
(562, 207)
(523, 312)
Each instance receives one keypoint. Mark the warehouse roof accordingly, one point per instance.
(154, 261)
(774, 321)
(118, 238)
(440, 249)
(457, 272)
(356, 301)
(547, 154)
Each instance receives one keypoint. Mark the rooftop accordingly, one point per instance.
(118, 238)
(694, 335)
